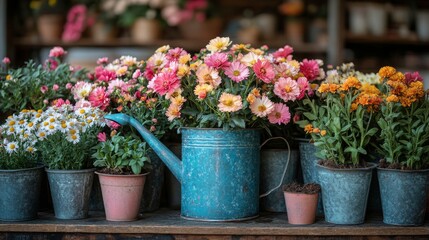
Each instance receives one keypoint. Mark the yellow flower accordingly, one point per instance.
(229, 102)
(218, 44)
(322, 133)
(386, 71)
(163, 49)
(201, 90)
(8, 77)
(173, 112)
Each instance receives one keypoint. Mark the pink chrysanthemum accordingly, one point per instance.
(57, 52)
(283, 53)
(6, 60)
(103, 60)
(82, 104)
(280, 114)
(174, 54)
(264, 70)
(118, 84)
(261, 107)
(237, 71)
(229, 102)
(304, 87)
(310, 69)
(413, 77)
(104, 75)
(165, 82)
(217, 60)
(99, 98)
(286, 89)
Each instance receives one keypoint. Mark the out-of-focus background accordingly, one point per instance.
(369, 33)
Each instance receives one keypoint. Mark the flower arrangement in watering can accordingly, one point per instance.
(219, 99)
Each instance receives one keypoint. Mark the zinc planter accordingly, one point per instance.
(403, 196)
(122, 195)
(70, 191)
(273, 164)
(345, 193)
(19, 194)
(308, 162)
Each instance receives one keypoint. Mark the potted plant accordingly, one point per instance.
(403, 145)
(20, 170)
(121, 159)
(196, 19)
(342, 128)
(120, 86)
(301, 202)
(66, 135)
(50, 17)
(144, 20)
(220, 98)
(41, 83)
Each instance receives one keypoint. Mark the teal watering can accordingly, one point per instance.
(219, 171)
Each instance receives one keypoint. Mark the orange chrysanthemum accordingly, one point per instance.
(397, 77)
(308, 128)
(322, 133)
(392, 98)
(386, 71)
(351, 82)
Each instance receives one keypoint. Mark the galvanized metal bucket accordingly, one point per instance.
(70, 190)
(403, 196)
(278, 167)
(220, 180)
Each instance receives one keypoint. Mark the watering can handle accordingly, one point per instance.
(285, 169)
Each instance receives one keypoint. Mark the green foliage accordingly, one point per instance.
(21, 88)
(122, 153)
(404, 136)
(342, 134)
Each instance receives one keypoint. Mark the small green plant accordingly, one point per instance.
(121, 155)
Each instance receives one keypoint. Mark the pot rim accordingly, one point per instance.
(220, 129)
(119, 175)
(69, 171)
(400, 170)
(21, 169)
(372, 166)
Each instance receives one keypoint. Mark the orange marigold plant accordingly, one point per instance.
(403, 120)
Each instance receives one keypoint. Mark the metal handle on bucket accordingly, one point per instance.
(285, 169)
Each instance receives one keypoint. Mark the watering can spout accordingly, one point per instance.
(168, 157)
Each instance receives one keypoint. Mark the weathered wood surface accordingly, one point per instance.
(167, 224)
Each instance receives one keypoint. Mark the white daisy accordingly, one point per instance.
(261, 107)
(12, 147)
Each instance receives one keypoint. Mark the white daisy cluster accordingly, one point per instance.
(341, 73)
(22, 131)
(70, 122)
(19, 131)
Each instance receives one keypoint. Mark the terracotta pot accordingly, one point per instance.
(50, 27)
(203, 31)
(145, 30)
(301, 208)
(102, 32)
(121, 195)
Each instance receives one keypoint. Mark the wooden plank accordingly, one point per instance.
(168, 222)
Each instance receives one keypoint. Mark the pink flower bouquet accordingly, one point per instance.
(230, 86)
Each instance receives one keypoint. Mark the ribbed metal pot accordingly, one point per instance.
(345, 193)
(70, 191)
(19, 193)
(220, 180)
(403, 196)
(308, 162)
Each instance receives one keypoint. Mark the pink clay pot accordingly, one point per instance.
(121, 195)
(301, 208)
